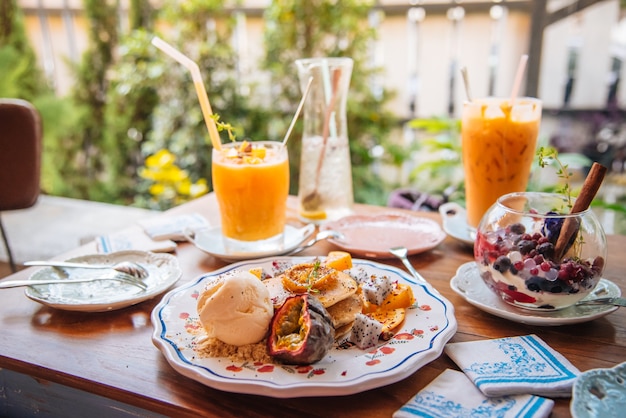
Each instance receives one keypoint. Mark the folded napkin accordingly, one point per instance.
(132, 238)
(172, 227)
(515, 365)
(452, 394)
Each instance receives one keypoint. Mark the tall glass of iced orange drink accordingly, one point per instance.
(498, 143)
(251, 182)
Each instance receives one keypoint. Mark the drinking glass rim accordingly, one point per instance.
(520, 101)
(329, 60)
(501, 199)
(264, 142)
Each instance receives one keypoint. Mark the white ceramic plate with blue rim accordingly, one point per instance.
(468, 283)
(600, 393)
(428, 326)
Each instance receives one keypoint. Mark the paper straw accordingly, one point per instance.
(518, 78)
(298, 110)
(466, 83)
(199, 86)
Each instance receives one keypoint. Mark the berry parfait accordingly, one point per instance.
(534, 254)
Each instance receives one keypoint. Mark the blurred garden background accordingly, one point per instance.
(122, 122)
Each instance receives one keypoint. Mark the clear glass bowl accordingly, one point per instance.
(524, 254)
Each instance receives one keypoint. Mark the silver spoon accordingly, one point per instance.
(126, 267)
(320, 236)
(6, 284)
(401, 253)
(604, 301)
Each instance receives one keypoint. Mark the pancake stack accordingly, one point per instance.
(335, 290)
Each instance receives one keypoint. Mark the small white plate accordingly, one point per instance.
(210, 240)
(104, 295)
(373, 235)
(600, 393)
(343, 371)
(454, 221)
(471, 286)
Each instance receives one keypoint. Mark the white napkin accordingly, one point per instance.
(132, 238)
(452, 394)
(514, 365)
(172, 227)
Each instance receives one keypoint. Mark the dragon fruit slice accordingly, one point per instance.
(377, 289)
(365, 331)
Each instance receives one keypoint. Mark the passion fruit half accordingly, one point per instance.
(301, 331)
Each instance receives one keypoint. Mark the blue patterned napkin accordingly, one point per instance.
(132, 238)
(452, 394)
(514, 365)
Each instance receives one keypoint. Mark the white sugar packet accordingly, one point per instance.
(452, 394)
(514, 365)
(172, 227)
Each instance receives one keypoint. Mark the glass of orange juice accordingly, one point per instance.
(498, 145)
(251, 182)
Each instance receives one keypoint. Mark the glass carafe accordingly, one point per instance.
(325, 187)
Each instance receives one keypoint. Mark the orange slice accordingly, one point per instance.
(400, 297)
(308, 276)
(390, 318)
(318, 215)
(339, 260)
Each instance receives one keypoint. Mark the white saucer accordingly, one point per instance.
(104, 295)
(454, 221)
(210, 240)
(470, 285)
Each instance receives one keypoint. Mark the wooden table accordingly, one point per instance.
(43, 350)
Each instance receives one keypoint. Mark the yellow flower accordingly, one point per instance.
(162, 159)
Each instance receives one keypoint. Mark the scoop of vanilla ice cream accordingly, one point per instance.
(236, 308)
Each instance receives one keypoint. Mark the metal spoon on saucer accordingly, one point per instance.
(615, 301)
(402, 254)
(320, 236)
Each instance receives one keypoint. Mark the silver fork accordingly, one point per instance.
(121, 277)
(402, 253)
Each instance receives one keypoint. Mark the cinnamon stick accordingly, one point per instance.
(588, 192)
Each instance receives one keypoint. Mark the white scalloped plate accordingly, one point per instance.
(104, 295)
(468, 283)
(420, 340)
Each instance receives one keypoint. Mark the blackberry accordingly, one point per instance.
(534, 284)
(526, 246)
(517, 228)
(546, 250)
(502, 264)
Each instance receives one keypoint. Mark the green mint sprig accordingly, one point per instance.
(313, 274)
(546, 156)
(223, 126)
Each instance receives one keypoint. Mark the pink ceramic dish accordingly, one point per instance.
(372, 236)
